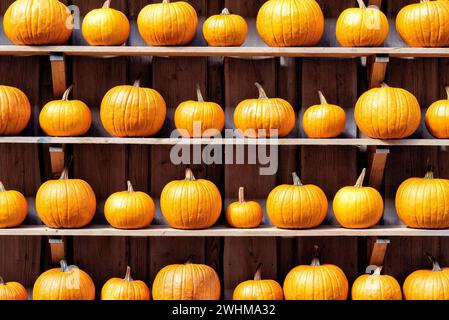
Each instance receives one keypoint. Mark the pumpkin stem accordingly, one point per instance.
(359, 182)
(436, 265)
(377, 271)
(189, 175)
(316, 256)
(1, 281)
(65, 172)
(198, 93)
(130, 186)
(2, 187)
(447, 91)
(258, 274)
(165, 1)
(64, 266)
(241, 194)
(107, 4)
(262, 94)
(384, 85)
(65, 96)
(137, 83)
(225, 11)
(128, 274)
(322, 97)
(361, 4)
(429, 173)
(296, 180)
(189, 260)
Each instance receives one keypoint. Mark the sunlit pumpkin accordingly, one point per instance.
(29, 22)
(258, 289)
(376, 287)
(12, 291)
(387, 113)
(264, 117)
(225, 30)
(437, 118)
(290, 23)
(13, 208)
(244, 214)
(15, 111)
(125, 289)
(190, 203)
(297, 206)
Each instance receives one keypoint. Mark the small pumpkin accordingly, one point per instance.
(167, 23)
(297, 206)
(65, 118)
(129, 209)
(190, 203)
(358, 207)
(422, 202)
(258, 289)
(12, 291)
(316, 282)
(225, 30)
(387, 113)
(132, 111)
(30, 22)
(362, 27)
(64, 283)
(187, 281)
(196, 119)
(65, 203)
(105, 26)
(264, 117)
(427, 284)
(424, 24)
(324, 120)
(15, 111)
(13, 208)
(125, 289)
(437, 118)
(244, 214)
(376, 287)
(290, 23)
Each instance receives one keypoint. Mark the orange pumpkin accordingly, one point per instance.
(13, 208)
(225, 30)
(244, 214)
(125, 289)
(12, 291)
(437, 118)
(376, 287)
(258, 289)
(15, 111)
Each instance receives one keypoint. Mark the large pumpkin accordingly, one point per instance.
(297, 206)
(15, 111)
(427, 284)
(424, 24)
(28, 22)
(129, 209)
(362, 27)
(64, 283)
(190, 203)
(376, 287)
(258, 289)
(244, 214)
(264, 117)
(437, 118)
(358, 207)
(65, 118)
(324, 120)
(167, 23)
(105, 26)
(423, 202)
(12, 291)
(387, 113)
(196, 119)
(225, 30)
(13, 207)
(65, 203)
(125, 289)
(290, 23)
(132, 111)
(187, 281)
(316, 282)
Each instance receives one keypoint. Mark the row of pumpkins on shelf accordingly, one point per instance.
(133, 111)
(280, 23)
(191, 281)
(197, 204)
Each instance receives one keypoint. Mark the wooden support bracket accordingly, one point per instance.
(377, 159)
(57, 249)
(378, 253)
(377, 70)
(57, 160)
(58, 75)
(377, 3)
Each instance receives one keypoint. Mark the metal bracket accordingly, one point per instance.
(58, 75)
(377, 70)
(57, 160)
(57, 249)
(377, 159)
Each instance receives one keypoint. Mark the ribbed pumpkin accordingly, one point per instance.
(15, 111)
(424, 24)
(29, 22)
(387, 113)
(12, 291)
(125, 289)
(187, 281)
(13, 208)
(225, 30)
(324, 120)
(316, 282)
(132, 111)
(190, 203)
(376, 287)
(290, 23)
(427, 284)
(65, 203)
(257, 117)
(65, 118)
(105, 26)
(424, 202)
(167, 23)
(129, 209)
(64, 283)
(437, 118)
(362, 27)
(297, 206)
(258, 289)
(358, 207)
(244, 214)
(196, 119)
